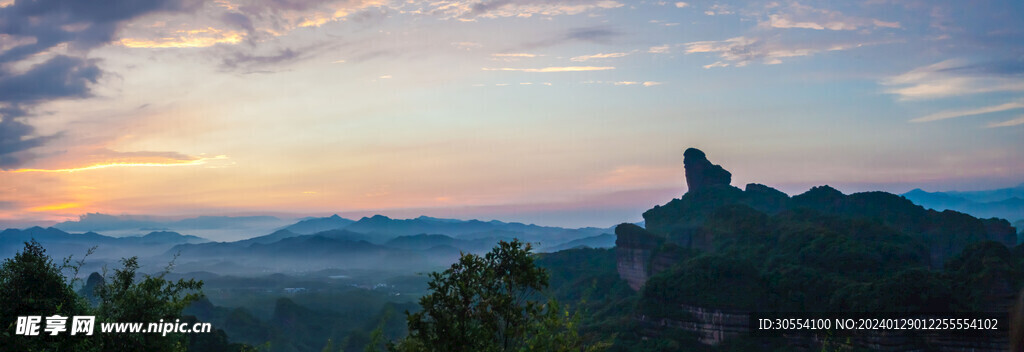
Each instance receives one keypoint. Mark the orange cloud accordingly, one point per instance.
(195, 38)
(199, 161)
(52, 207)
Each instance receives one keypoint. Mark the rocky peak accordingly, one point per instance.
(701, 173)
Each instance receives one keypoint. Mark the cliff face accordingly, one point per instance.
(634, 247)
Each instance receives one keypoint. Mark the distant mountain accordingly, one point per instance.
(422, 241)
(425, 241)
(1005, 203)
(60, 244)
(304, 253)
(314, 225)
(992, 195)
(385, 227)
(104, 223)
(606, 240)
(165, 237)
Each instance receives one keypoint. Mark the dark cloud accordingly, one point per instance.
(238, 20)
(481, 8)
(83, 24)
(41, 25)
(59, 77)
(599, 35)
(251, 62)
(16, 138)
(1012, 67)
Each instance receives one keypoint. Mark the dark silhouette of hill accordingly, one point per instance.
(606, 240)
(719, 252)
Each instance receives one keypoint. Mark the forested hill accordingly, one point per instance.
(722, 249)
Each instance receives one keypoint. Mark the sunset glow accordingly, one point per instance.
(563, 112)
(200, 161)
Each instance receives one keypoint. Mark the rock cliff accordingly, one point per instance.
(701, 173)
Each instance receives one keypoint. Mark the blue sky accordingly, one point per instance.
(571, 112)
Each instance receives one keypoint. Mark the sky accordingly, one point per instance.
(557, 112)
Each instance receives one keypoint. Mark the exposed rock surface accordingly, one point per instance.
(634, 247)
(701, 173)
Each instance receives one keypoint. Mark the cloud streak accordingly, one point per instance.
(1008, 123)
(805, 17)
(122, 164)
(470, 10)
(598, 56)
(952, 114)
(741, 51)
(196, 38)
(553, 69)
(955, 77)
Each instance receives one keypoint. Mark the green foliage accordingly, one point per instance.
(486, 304)
(981, 271)
(557, 330)
(126, 298)
(710, 280)
(480, 303)
(31, 284)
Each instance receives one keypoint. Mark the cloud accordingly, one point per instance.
(59, 77)
(39, 30)
(196, 38)
(150, 161)
(466, 45)
(681, 4)
(661, 49)
(632, 83)
(944, 115)
(471, 9)
(718, 9)
(81, 24)
(16, 139)
(741, 51)
(801, 16)
(956, 77)
(554, 69)
(238, 20)
(249, 62)
(514, 55)
(1014, 122)
(596, 35)
(598, 56)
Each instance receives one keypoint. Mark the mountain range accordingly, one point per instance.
(376, 242)
(1006, 203)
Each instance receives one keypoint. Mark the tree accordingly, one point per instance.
(151, 299)
(487, 304)
(32, 285)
